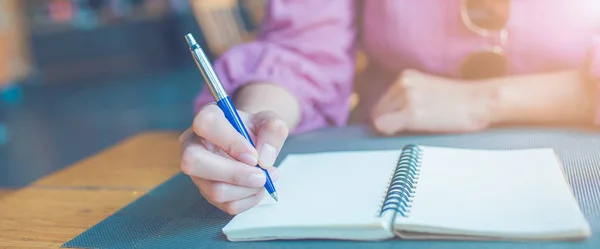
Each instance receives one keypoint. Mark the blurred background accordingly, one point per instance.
(77, 76)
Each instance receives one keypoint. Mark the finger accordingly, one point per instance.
(271, 133)
(238, 206)
(220, 192)
(391, 123)
(211, 124)
(198, 162)
(274, 173)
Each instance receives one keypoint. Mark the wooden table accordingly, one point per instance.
(56, 208)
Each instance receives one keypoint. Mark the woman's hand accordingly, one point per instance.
(420, 102)
(222, 163)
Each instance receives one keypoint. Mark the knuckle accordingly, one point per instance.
(206, 195)
(185, 136)
(230, 208)
(409, 72)
(234, 146)
(382, 128)
(401, 85)
(278, 127)
(236, 178)
(187, 162)
(192, 161)
(205, 119)
(186, 168)
(259, 196)
(219, 192)
(210, 195)
(406, 78)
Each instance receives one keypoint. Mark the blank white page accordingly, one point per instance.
(339, 192)
(513, 193)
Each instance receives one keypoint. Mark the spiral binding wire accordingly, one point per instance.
(401, 189)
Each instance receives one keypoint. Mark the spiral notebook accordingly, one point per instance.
(417, 192)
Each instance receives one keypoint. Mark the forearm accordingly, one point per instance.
(257, 97)
(552, 98)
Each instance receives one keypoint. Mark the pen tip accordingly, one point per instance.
(190, 39)
(274, 195)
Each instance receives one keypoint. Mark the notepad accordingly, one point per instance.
(417, 192)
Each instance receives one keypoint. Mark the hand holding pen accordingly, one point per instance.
(222, 150)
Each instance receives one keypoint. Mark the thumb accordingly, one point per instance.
(271, 133)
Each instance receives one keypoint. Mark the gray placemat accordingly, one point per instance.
(174, 215)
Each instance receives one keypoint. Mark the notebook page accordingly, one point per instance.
(324, 195)
(508, 194)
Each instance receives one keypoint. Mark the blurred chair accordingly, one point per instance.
(222, 22)
(14, 52)
(223, 26)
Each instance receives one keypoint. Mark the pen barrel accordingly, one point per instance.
(209, 75)
(232, 116)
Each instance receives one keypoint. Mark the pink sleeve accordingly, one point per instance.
(306, 46)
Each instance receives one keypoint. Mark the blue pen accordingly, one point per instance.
(223, 100)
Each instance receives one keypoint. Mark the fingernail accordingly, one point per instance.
(267, 156)
(248, 159)
(257, 179)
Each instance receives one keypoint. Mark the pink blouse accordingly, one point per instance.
(308, 47)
